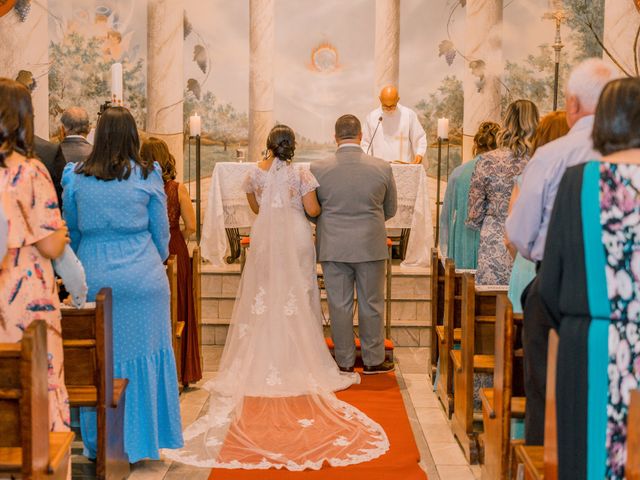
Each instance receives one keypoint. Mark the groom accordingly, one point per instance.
(358, 194)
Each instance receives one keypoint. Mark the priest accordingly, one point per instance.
(393, 132)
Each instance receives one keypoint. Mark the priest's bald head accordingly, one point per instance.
(389, 98)
(348, 130)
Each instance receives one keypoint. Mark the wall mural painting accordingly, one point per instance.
(216, 79)
(86, 38)
(324, 65)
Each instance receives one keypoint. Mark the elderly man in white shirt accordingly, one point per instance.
(527, 224)
(393, 132)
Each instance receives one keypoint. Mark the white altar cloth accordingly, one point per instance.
(227, 207)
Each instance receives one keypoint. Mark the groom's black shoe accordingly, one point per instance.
(384, 367)
(346, 369)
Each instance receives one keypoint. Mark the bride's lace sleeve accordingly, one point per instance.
(308, 182)
(248, 185)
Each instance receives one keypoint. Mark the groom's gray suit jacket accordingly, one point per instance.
(358, 194)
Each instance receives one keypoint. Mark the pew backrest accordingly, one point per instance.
(87, 335)
(550, 418)
(24, 401)
(632, 470)
(172, 275)
(196, 267)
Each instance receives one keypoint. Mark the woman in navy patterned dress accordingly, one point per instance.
(491, 186)
(590, 282)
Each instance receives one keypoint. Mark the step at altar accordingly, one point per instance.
(410, 304)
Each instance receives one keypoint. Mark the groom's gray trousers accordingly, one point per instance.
(339, 281)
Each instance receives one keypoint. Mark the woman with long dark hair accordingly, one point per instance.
(179, 207)
(36, 235)
(116, 209)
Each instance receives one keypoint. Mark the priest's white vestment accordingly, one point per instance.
(400, 135)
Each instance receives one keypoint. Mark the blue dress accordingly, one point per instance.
(120, 231)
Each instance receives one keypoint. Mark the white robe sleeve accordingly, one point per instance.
(417, 135)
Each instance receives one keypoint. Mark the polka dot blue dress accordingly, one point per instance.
(120, 232)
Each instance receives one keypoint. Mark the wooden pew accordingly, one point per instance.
(476, 355)
(499, 404)
(27, 449)
(177, 326)
(437, 308)
(541, 462)
(449, 334)
(632, 469)
(196, 267)
(87, 339)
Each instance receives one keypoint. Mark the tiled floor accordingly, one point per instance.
(441, 456)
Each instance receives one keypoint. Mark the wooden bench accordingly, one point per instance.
(437, 309)
(27, 449)
(177, 326)
(87, 339)
(476, 355)
(196, 267)
(541, 462)
(632, 469)
(449, 334)
(500, 404)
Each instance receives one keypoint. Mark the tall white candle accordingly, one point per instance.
(195, 125)
(116, 84)
(443, 128)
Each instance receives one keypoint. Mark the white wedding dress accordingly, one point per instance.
(272, 403)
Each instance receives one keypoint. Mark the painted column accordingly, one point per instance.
(483, 66)
(165, 75)
(387, 44)
(25, 46)
(621, 23)
(261, 57)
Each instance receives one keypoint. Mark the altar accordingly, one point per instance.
(227, 208)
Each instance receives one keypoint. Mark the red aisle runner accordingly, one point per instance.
(379, 397)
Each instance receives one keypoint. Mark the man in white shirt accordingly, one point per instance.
(393, 132)
(526, 226)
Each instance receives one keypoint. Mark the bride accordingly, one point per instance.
(272, 403)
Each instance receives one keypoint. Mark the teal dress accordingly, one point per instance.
(120, 232)
(457, 241)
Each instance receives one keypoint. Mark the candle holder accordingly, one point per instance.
(198, 183)
(439, 180)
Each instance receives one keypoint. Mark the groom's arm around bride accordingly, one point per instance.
(357, 194)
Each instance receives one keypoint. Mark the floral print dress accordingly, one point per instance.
(27, 283)
(590, 282)
(491, 186)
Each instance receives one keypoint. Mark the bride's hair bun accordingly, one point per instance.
(282, 142)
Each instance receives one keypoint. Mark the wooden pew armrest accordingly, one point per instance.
(532, 457)
(10, 460)
(59, 449)
(456, 356)
(518, 407)
(486, 396)
(119, 387)
(179, 329)
(484, 363)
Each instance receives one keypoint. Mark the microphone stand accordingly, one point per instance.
(374, 134)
